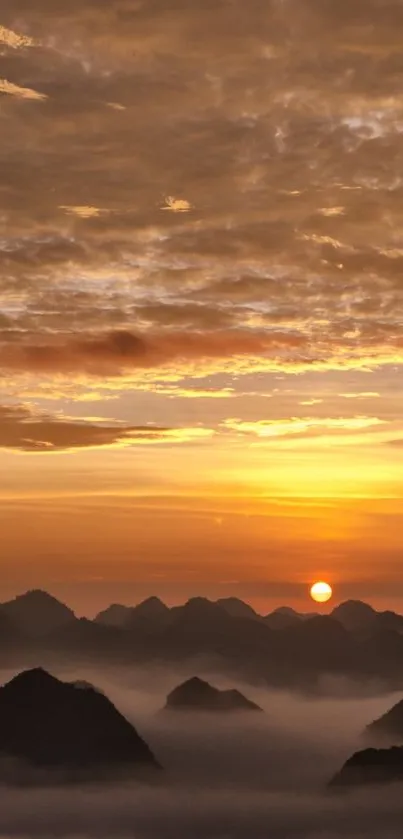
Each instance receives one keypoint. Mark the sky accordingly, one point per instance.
(201, 299)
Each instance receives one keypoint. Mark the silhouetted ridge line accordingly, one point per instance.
(47, 723)
(389, 726)
(195, 694)
(370, 766)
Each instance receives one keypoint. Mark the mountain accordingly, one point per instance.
(237, 608)
(37, 613)
(198, 608)
(390, 621)
(152, 608)
(389, 725)
(354, 615)
(285, 648)
(203, 628)
(317, 645)
(381, 654)
(49, 724)
(151, 616)
(87, 640)
(8, 630)
(114, 615)
(371, 766)
(282, 617)
(197, 695)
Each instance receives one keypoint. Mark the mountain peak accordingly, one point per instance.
(37, 677)
(236, 608)
(83, 729)
(115, 615)
(354, 614)
(195, 694)
(389, 726)
(37, 612)
(371, 766)
(152, 606)
(200, 606)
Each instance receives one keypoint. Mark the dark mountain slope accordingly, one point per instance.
(197, 695)
(47, 723)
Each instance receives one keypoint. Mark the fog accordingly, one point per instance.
(242, 775)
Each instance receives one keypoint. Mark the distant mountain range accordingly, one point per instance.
(283, 648)
(67, 728)
(197, 695)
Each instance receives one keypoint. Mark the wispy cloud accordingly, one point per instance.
(84, 212)
(22, 428)
(12, 89)
(15, 40)
(176, 205)
(301, 425)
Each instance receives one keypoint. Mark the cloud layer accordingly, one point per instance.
(249, 778)
(277, 131)
(22, 429)
(201, 243)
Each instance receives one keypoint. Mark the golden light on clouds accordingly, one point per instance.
(116, 106)
(176, 205)
(84, 212)
(332, 211)
(302, 425)
(201, 235)
(12, 89)
(14, 39)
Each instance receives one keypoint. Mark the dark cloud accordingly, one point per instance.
(23, 429)
(283, 136)
(114, 352)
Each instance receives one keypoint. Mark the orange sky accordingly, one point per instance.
(201, 301)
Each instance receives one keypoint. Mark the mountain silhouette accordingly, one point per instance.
(203, 629)
(319, 644)
(354, 615)
(151, 616)
(150, 613)
(390, 621)
(37, 613)
(114, 615)
(49, 724)
(237, 608)
(197, 695)
(370, 766)
(283, 649)
(389, 726)
(282, 617)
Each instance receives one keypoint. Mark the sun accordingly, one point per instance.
(321, 592)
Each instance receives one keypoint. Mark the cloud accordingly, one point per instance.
(85, 212)
(176, 205)
(12, 89)
(114, 352)
(277, 250)
(332, 211)
(14, 39)
(24, 429)
(221, 778)
(312, 401)
(116, 106)
(302, 426)
(364, 395)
